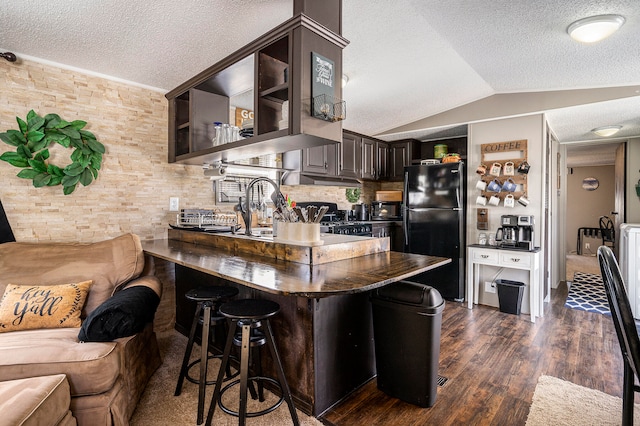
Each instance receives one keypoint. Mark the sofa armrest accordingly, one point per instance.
(150, 281)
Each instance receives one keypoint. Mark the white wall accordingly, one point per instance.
(532, 128)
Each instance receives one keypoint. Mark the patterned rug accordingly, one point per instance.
(587, 293)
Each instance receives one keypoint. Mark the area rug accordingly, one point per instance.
(158, 406)
(558, 402)
(587, 293)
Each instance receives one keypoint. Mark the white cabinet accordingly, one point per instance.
(514, 259)
(630, 263)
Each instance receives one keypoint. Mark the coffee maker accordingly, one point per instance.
(516, 232)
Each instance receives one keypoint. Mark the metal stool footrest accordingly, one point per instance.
(209, 382)
(267, 410)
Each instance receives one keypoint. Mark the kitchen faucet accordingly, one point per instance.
(277, 198)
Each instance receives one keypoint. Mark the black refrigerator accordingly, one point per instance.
(434, 223)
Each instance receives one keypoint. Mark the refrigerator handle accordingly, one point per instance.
(405, 224)
(405, 216)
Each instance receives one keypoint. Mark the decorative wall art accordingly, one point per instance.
(33, 140)
(590, 184)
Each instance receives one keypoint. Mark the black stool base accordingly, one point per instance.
(247, 315)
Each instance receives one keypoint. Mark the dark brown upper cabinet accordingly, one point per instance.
(274, 69)
(350, 156)
(402, 153)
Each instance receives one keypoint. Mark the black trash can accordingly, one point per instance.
(407, 319)
(510, 296)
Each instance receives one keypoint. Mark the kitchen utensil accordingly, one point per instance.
(299, 214)
(323, 210)
(311, 213)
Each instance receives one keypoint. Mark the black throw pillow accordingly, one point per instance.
(124, 314)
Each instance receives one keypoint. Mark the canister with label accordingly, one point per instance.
(440, 150)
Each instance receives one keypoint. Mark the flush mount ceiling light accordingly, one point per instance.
(606, 131)
(595, 28)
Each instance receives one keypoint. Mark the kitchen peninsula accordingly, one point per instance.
(324, 330)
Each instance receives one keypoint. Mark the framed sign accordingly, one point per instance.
(322, 75)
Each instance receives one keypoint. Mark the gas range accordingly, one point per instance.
(334, 221)
(347, 228)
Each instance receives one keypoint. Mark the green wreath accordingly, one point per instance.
(352, 194)
(32, 144)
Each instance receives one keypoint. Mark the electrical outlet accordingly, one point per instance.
(489, 287)
(587, 246)
(174, 204)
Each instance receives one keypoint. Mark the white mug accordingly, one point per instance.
(481, 200)
(481, 185)
(509, 201)
(494, 200)
(523, 200)
(509, 169)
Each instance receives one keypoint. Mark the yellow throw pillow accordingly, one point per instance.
(28, 307)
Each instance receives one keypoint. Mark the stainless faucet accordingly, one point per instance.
(277, 198)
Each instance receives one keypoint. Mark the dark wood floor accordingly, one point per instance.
(493, 361)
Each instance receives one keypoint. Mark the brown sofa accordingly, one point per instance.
(106, 379)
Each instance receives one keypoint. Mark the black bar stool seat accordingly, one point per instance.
(251, 316)
(208, 300)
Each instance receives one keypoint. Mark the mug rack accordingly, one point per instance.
(502, 153)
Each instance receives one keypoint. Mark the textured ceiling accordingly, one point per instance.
(407, 59)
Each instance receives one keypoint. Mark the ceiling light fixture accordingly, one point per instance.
(606, 131)
(595, 28)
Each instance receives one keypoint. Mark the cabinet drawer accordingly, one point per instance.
(515, 260)
(485, 256)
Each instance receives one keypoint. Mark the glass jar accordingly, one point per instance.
(492, 239)
(482, 239)
(226, 133)
(217, 133)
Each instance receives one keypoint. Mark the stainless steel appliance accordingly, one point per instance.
(337, 222)
(361, 212)
(433, 219)
(386, 210)
(516, 232)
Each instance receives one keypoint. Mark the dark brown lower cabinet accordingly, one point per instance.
(326, 344)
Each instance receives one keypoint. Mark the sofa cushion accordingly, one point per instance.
(31, 306)
(91, 368)
(110, 264)
(36, 401)
(123, 314)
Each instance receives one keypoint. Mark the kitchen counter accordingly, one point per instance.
(324, 330)
(276, 276)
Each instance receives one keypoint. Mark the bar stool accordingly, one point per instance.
(250, 315)
(207, 314)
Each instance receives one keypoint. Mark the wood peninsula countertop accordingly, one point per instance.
(276, 276)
